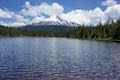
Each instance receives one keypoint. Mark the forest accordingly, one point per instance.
(109, 31)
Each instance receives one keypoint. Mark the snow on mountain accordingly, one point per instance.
(58, 22)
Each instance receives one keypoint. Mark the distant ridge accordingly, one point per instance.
(59, 24)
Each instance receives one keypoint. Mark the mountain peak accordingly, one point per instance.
(58, 22)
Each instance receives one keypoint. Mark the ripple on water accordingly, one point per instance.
(58, 59)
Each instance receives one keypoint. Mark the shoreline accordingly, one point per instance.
(96, 39)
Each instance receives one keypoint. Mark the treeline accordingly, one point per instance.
(110, 30)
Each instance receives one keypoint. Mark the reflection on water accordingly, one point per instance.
(58, 59)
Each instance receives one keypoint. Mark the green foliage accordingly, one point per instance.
(110, 30)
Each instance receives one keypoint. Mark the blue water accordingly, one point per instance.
(33, 58)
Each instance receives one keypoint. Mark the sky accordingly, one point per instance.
(87, 12)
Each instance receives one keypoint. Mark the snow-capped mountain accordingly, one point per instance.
(59, 22)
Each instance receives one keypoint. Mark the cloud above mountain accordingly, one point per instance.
(109, 3)
(4, 14)
(47, 12)
(44, 8)
(86, 17)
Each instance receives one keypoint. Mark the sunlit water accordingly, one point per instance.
(58, 59)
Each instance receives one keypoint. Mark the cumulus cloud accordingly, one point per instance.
(12, 15)
(85, 16)
(4, 14)
(37, 19)
(13, 24)
(19, 19)
(27, 4)
(44, 8)
(52, 18)
(79, 16)
(113, 12)
(48, 12)
(109, 2)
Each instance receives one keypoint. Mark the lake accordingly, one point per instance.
(38, 58)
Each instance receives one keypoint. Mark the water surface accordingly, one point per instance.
(28, 58)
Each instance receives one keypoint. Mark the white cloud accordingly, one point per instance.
(52, 18)
(18, 17)
(27, 4)
(16, 24)
(109, 2)
(39, 13)
(37, 19)
(4, 14)
(12, 24)
(44, 8)
(86, 17)
(113, 12)
(12, 15)
(79, 16)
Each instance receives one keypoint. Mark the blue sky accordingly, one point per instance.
(69, 5)
(27, 11)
